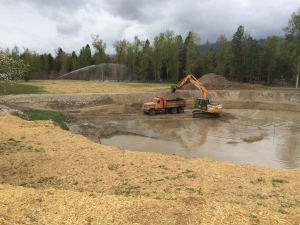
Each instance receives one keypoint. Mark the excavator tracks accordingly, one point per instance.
(205, 115)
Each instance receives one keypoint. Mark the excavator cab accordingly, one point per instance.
(201, 103)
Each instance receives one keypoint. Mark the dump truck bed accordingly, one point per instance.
(178, 102)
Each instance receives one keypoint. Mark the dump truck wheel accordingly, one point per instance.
(152, 112)
(174, 110)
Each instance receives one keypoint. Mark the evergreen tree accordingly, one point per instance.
(45, 65)
(144, 62)
(57, 61)
(74, 63)
(237, 54)
(50, 63)
(84, 58)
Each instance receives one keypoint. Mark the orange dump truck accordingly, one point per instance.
(162, 105)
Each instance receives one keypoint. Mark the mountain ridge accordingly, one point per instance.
(214, 46)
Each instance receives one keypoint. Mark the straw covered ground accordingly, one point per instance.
(52, 176)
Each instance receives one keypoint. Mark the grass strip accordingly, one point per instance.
(16, 88)
(58, 119)
(284, 88)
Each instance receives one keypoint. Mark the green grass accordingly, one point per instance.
(17, 88)
(144, 85)
(58, 119)
(284, 88)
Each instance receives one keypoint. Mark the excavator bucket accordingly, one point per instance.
(173, 89)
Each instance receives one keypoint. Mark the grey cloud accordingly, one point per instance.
(142, 11)
(117, 19)
(62, 12)
(58, 5)
(210, 19)
(68, 28)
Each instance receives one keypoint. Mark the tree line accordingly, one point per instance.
(170, 57)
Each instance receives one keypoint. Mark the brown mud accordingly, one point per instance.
(89, 114)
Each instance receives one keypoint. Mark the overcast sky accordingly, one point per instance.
(45, 25)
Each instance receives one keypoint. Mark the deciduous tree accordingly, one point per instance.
(191, 53)
(271, 50)
(158, 55)
(11, 68)
(33, 60)
(287, 56)
(222, 55)
(292, 32)
(100, 47)
(121, 48)
(208, 58)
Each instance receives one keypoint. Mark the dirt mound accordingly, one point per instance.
(213, 81)
(253, 138)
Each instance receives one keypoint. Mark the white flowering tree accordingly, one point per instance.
(10, 68)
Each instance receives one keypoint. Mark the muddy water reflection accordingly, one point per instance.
(200, 137)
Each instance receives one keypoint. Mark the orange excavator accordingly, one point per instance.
(203, 107)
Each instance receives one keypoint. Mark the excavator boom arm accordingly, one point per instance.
(190, 78)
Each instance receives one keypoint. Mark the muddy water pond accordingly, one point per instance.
(255, 137)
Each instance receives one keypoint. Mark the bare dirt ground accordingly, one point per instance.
(52, 176)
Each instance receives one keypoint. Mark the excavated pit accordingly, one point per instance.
(105, 118)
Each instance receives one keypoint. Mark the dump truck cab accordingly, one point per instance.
(157, 102)
(162, 105)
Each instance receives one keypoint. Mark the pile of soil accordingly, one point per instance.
(253, 138)
(212, 81)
